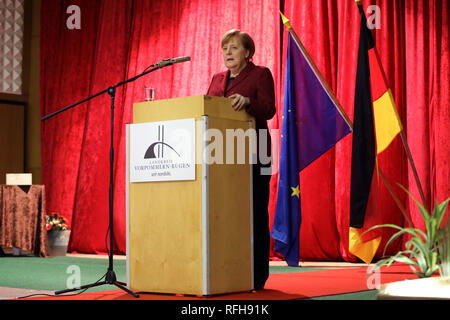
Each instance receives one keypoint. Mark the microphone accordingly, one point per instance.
(168, 62)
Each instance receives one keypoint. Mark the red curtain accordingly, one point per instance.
(427, 96)
(332, 42)
(119, 39)
(75, 144)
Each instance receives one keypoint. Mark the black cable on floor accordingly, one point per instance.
(60, 295)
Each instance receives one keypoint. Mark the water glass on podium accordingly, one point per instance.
(149, 94)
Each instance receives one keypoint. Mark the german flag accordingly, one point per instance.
(375, 125)
(386, 119)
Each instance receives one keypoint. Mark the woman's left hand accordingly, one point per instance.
(239, 101)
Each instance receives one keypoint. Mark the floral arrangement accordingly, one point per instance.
(56, 222)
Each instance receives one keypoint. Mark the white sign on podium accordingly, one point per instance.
(162, 151)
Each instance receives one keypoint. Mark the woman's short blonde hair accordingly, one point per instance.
(246, 40)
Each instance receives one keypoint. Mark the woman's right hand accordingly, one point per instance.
(239, 101)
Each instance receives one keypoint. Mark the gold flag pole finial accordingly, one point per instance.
(285, 21)
(358, 1)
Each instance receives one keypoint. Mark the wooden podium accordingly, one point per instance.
(193, 237)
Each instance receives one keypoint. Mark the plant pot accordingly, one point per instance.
(57, 242)
(416, 289)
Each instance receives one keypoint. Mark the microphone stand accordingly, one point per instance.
(110, 276)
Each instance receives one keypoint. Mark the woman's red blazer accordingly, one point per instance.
(254, 82)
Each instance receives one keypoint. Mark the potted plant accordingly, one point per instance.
(425, 252)
(58, 235)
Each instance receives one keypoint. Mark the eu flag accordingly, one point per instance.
(312, 124)
(286, 225)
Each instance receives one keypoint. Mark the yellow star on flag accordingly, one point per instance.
(296, 191)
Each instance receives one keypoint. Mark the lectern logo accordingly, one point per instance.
(162, 151)
(156, 149)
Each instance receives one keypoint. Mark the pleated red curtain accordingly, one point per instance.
(119, 39)
(332, 42)
(427, 97)
(77, 63)
(412, 40)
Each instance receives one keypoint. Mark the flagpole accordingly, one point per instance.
(413, 168)
(287, 23)
(397, 201)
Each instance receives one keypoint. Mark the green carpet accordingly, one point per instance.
(361, 295)
(282, 269)
(28, 272)
(53, 274)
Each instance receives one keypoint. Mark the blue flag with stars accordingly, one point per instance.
(286, 225)
(312, 124)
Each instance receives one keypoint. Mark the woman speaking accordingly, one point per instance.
(252, 88)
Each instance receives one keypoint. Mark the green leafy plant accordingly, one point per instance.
(421, 251)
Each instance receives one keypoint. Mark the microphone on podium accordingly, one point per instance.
(168, 62)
